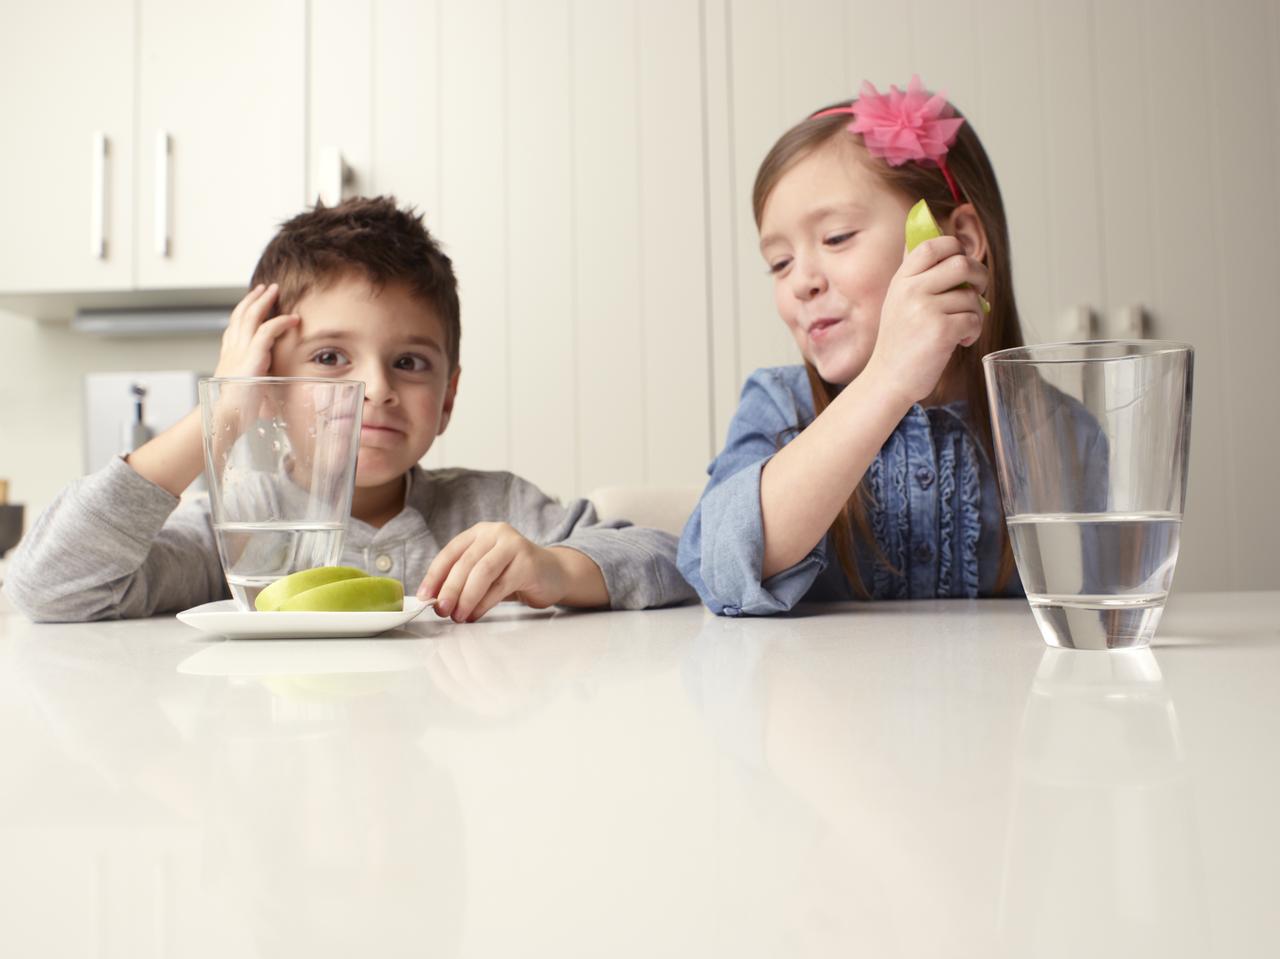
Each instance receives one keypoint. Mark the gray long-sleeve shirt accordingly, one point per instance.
(113, 545)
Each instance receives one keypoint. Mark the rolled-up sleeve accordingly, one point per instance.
(721, 551)
(637, 563)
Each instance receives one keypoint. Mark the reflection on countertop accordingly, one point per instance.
(893, 780)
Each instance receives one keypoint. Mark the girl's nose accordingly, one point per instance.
(808, 282)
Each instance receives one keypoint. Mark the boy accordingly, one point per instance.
(356, 291)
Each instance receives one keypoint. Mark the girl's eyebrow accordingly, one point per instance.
(814, 216)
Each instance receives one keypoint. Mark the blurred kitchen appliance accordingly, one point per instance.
(10, 520)
(124, 409)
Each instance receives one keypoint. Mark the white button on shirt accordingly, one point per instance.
(383, 563)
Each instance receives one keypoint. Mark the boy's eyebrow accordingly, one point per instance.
(427, 341)
(813, 216)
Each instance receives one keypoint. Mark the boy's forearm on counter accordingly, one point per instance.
(586, 585)
(173, 459)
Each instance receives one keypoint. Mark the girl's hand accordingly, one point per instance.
(927, 313)
(485, 564)
(250, 337)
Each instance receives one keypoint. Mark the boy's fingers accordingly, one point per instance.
(440, 566)
(245, 300)
(489, 571)
(499, 591)
(454, 583)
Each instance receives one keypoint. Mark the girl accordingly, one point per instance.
(867, 471)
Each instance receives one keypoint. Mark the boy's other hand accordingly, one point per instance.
(489, 562)
(250, 336)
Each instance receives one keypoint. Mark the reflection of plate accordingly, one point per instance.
(227, 619)
(265, 659)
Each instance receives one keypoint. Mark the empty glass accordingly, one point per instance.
(280, 457)
(1091, 445)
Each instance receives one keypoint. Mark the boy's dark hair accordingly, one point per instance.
(371, 236)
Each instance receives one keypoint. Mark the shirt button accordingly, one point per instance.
(383, 563)
(924, 476)
(923, 553)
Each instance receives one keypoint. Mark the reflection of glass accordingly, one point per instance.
(1102, 855)
(280, 457)
(1092, 443)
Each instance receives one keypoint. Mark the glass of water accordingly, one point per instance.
(280, 458)
(1091, 445)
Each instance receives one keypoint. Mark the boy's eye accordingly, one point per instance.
(839, 238)
(329, 358)
(412, 363)
(777, 266)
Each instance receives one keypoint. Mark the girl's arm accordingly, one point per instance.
(809, 480)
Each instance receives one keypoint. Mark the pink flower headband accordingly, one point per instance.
(901, 127)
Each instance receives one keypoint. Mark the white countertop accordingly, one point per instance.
(909, 779)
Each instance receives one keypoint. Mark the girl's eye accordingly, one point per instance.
(412, 363)
(329, 358)
(839, 238)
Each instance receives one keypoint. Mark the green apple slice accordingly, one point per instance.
(285, 588)
(365, 594)
(922, 226)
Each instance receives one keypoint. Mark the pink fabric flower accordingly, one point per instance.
(905, 126)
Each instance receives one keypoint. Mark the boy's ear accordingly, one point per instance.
(450, 394)
(965, 224)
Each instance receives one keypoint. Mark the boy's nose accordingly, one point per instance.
(377, 386)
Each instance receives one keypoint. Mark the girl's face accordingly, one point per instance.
(396, 345)
(832, 235)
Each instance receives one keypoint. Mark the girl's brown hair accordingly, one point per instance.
(976, 180)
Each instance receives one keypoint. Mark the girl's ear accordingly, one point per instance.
(965, 224)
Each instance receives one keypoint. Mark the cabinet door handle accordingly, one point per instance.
(98, 199)
(334, 175)
(162, 194)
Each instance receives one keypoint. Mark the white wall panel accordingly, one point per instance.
(1240, 83)
(606, 209)
(673, 254)
(473, 223)
(1188, 285)
(540, 254)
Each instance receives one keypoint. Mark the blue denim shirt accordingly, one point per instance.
(936, 513)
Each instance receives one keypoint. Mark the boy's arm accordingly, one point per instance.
(115, 546)
(636, 564)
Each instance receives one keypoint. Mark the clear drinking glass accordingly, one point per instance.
(280, 458)
(1091, 445)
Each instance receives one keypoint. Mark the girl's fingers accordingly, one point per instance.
(930, 253)
(955, 270)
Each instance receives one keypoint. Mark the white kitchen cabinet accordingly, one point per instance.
(224, 87)
(66, 169)
(149, 144)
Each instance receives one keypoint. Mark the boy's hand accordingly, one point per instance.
(489, 562)
(250, 337)
(928, 311)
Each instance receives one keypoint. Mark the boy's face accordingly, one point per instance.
(395, 345)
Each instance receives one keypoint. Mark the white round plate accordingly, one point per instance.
(225, 618)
